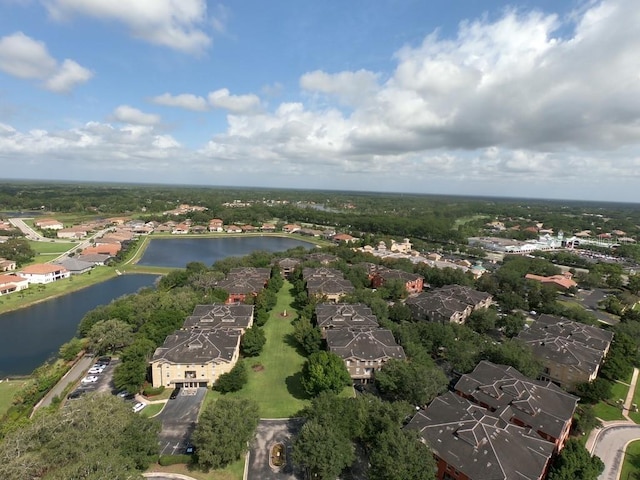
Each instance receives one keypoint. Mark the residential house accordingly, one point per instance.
(75, 266)
(44, 273)
(571, 352)
(268, 227)
(404, 247)
(470, 443)
(48, 224)
(288, 265)
(237, 317)
(72, 233)
(195, 357)
(232, 229)
(181, 229)
(536, 404)
(12, 283)
(563, 281)
(7, 265)
(364, 351)
(326, 282)
(216, 225)
(448, 304)
(323, 258)
(243, 282)
(111, 249)
(344, 238)
(355, 316)
(413, 283)
(291, 228)
(95, 258)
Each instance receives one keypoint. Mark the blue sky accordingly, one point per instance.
(530, 98)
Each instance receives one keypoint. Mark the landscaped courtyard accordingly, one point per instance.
(274, 376)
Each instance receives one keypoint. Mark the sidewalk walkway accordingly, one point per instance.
(629, 400)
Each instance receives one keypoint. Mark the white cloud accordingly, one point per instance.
(351, 88)
(177, 24)
(187, 101)
(68, 76)
(238, 104)
(127, 114)
(24, 57)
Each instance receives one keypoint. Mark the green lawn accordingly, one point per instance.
(608, 412)
(51, 248)
(631, 465)
(635, 416)
(8, 389)
(152, 409)
(274, 376)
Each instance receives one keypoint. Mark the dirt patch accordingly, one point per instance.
(258, 367)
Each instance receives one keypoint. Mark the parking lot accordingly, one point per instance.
(103, 383)
(179, 418)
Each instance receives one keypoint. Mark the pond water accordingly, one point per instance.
(177, 252)
(31, 336)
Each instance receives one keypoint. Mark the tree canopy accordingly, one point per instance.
(324, 371)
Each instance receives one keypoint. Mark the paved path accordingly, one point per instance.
(72, 376)
(629, 400)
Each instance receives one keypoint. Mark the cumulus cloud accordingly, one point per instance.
(514, 86)
(127, 114)
(24, 57)
(238, 104)
(187, 101)
(177, 24)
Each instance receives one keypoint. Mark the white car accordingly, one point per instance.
(90, 379)
(138, 406)
(95, 371)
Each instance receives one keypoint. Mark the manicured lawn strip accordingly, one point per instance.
(8, 389)
(631, 464)
(48, 248)
(276, 387)
(608, 412)
(635, 416)
(232, 472)
(152, 409)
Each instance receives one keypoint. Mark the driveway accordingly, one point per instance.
(178, 419)
(590, 299)
(610, 445)
(269, 433)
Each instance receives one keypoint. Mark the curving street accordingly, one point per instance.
(610, 443)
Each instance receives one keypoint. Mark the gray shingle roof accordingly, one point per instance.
(364, 344)
(198, 346)
(341, 315)
(478, 444)
(220, 316)
(540, 405)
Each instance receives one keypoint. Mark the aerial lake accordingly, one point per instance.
(177, 252)
(31, 336)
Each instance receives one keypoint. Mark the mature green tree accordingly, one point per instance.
(324, 371)
(131, 372)
(110, 336)
(593, 392)
(85, 440)
(400, 455)
(233, 380)
(511, 324)
(321, 451)
(69, 350)
(17, 249)
(483, 320)
(416, 382)
(393, 289)
(399, 313)
(223, 431)
(634, 283)
(585, 419)
(252, 341)
(307, 336)
(574, 462)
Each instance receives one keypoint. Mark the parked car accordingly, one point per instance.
(175, 393)
(95, 370)
(138, 407)
(90, 379)
(125, 394)
(105, 360)
(190, 449)
(75, 394)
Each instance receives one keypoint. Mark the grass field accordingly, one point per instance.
(8, 389)
(152, 409)
(631, 464)
(274, 376)
(51, 248)
(608, 412)
(635, 416)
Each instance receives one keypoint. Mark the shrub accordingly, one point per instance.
(151, 391)
(166, 460)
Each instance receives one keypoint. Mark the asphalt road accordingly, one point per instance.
(178, 419)
(610, 446)
(72, 376)
(268, 433)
